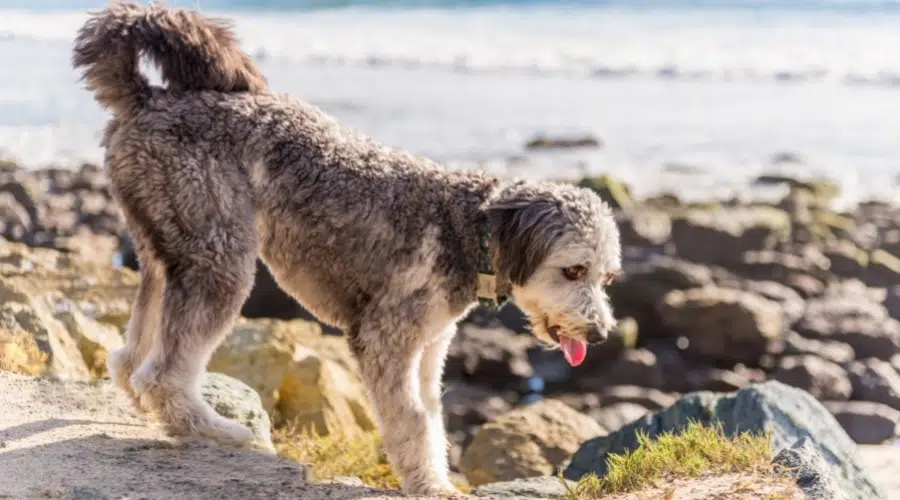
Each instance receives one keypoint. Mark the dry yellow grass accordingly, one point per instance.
(699, 452)
(336, 455)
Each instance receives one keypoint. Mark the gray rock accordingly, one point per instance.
(533, 488)
(812, 473)
(792, 304)
(875, 380)
(632, 367)
(648, 398)
(866, 422)
(823, 379)
(234, 399)
(788, 414)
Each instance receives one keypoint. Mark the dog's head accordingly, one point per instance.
(557, 247)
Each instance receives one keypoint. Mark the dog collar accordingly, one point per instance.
(486, 289)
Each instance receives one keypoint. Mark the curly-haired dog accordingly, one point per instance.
(214, 168)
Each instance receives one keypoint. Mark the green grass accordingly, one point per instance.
(697, 451)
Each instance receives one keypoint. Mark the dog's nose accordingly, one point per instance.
(596, 334)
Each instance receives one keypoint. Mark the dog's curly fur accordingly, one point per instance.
(214, 169)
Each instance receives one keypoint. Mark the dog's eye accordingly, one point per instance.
(575, 272)
(609, 277)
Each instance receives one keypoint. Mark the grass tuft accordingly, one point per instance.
(698, 450)
(336, 454)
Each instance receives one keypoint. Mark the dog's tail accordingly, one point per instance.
(192, 52)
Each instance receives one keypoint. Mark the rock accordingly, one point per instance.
(836, 352)
(805, 463)
(707, 378)
(611, 190)
(19, 350)
(823, 379)
(792, 304)
(883, 269)
(644, 227)
(787, 413)
(94, 339)
(496, 357)
(855, 320)
(648, 398)
(633, 367)
(723, 324)
(233, 399)
(466, 407)
(780, 267)
(543, 142)
(866, 422)
(847, 259)
(532, 488)
(530, 441)
(301, 375)
(875, 380)
(101, 292)
(647, 279)
(615, 416)
(722, 236)
(60, 353)
(95, 446)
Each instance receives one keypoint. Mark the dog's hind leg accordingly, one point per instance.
(203, 295)
(142, 327)
(389, 362)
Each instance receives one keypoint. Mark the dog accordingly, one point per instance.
(212, 170)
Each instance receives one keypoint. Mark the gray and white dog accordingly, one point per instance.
(213, 170)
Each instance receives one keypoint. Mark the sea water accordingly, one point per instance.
(690, 96)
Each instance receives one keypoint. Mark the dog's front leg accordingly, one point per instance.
(389, 370)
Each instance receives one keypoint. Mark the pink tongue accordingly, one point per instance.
(574, 350)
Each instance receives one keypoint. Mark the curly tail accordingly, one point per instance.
(191, 51)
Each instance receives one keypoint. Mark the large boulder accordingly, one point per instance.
(788, 414)
(723, 324)
(32, 325)
(823, 379)
(530, 441)
(302, 376)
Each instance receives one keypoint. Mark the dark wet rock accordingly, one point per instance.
(787, 413)
(723, 324)
(823, 379)
(866, 422)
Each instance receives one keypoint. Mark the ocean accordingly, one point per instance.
(695, 97)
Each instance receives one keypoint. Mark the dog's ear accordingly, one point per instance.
(524, 230)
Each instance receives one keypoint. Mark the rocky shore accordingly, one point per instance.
(725, 299)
